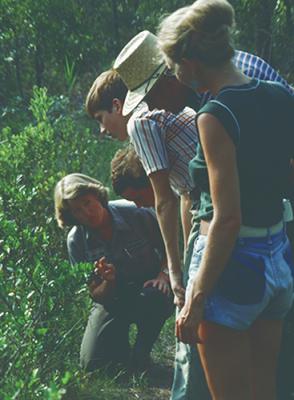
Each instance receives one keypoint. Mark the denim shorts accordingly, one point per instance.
(257, 281)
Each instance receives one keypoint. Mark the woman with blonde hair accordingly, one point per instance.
(241, 274)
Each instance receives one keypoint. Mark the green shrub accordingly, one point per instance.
(44, 304)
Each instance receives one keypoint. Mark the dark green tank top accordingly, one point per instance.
(259, 117)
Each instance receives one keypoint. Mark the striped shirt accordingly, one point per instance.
(254, 67)
(165, 141)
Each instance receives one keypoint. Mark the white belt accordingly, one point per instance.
(250, 231)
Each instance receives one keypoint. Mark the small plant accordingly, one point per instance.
(70, 75)
(40, 103)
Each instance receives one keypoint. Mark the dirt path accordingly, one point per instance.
(160, 376)
(160, 381)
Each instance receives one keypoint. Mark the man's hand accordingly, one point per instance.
(105, 270)
(161, 283)
(102, 288)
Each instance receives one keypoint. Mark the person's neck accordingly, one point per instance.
(228, 75)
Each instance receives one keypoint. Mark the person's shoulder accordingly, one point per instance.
(121, 209)
(244, 57)
(129, 207)
(127, 214)
(276, 87)
(252, 65)
(169, 117)
(187, 114)
(146, 210)
(143, 113)
(121, 204)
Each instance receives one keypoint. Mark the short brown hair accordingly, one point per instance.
(127, 171)
(71, 187)
(105, 88)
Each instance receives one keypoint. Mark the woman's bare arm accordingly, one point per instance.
(220, 155)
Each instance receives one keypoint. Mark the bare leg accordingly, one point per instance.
(265, 344)
(226, 359)
(241, 364)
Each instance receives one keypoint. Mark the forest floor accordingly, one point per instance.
(153, 385)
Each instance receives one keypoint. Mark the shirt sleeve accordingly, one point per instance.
(148, 139)
(75, 247)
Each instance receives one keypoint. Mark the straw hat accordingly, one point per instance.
(140, 64)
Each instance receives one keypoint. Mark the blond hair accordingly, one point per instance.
(105, 88)
(200, 31)
(127, 171)
(71, 187)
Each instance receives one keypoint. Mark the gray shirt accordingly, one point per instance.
(136, 248)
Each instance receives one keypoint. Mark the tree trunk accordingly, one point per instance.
(18, 69)
(39, 64)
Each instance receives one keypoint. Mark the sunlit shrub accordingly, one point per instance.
(45, 303)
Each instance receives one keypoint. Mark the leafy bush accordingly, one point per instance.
(44, 306)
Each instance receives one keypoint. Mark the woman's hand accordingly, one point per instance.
(161, 283)
(189, 318)
(177, 288)
(105, 270)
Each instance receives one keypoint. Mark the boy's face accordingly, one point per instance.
(113, 123)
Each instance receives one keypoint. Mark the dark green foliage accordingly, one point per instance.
(44, 299)
(65, 44)
(41, 41)
(266, 28)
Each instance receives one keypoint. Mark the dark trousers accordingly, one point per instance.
(106, 338)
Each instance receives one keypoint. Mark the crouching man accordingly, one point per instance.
(128, 284)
